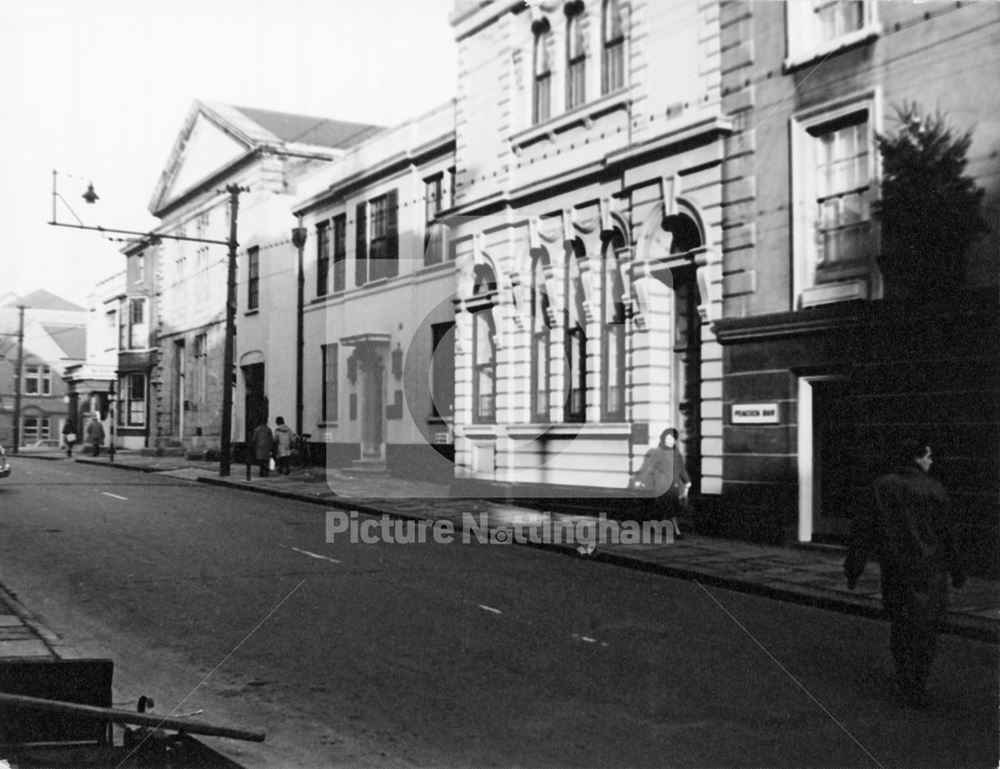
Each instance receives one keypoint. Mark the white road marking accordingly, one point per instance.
(109, 494)
(312, 555)
(587, 639)
(490, 608)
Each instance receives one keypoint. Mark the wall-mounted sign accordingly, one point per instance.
(755, 414)
(327, 437)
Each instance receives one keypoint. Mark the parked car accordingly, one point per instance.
(4, 464)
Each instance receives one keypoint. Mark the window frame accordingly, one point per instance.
(38, 375)
(804, 44)
(575, 341)
(484, 325)
(612, 47)
(253, 278)
(541, 341)
(137, 327)
(322, 258)
(858, 282)
(330, 385)
(576, 58)
(127, 412)
(339, 248)
(541, 79)
(612, 344)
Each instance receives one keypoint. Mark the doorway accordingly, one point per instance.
(255, 401)
(832, 475)
(372, 407)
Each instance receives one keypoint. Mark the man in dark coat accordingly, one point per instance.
(910, 533)
(260, 444)
(95, 434)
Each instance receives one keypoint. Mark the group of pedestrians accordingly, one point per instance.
(94, 435)
(276, 445)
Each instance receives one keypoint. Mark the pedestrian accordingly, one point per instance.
(283, 439)
(663, 472)
(909, 531)
(261, 442)
(69, 435)
(95, 434)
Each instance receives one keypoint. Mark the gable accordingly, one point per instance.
(206, 150)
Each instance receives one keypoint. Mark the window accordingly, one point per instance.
(613, 48)
(253, 278)
(484, 347)
(35, 429)
(201, 368)
(540, 338)
(613, 336)
(576, 343)
(111, 328)
(138, 332)
(37, 380)
(834, 162)
(133, 391)
(819, 27)
(442, 369)
(435, 241)
(541, 109)
(576, 57)
(322, 258)
(339, 252)
(361, 245)
(383, 253)
(329, 384)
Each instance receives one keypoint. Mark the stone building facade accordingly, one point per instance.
(808, 337)
(590, 242)
(378, 357)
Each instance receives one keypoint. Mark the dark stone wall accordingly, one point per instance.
(930, 370)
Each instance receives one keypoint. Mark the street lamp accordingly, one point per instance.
(233, 190)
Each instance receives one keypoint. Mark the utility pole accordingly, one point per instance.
(299, 241)
(18, 378)
(225, 461)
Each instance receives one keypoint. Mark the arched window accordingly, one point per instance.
(575, 408)
(483, 346)
(541, 109)
(576, 57)
(613, 48)
(613, 334)
(539, 343)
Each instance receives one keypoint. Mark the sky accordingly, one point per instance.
(98, 90)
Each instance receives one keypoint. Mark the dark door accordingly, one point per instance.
(255, 402)
(840, 477)
(687, 370)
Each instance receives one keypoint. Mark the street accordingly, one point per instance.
(233, 604)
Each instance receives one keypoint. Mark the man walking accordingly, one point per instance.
(910, 533)
(283, 438)
(95, 434)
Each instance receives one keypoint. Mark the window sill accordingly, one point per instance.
(248, 313)
(326, 424)
(572, 429)
(860, 37)
(583, 115)
(830, 293)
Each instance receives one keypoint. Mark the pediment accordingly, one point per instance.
(204, 148)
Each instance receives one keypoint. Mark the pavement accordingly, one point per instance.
(805, 574)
